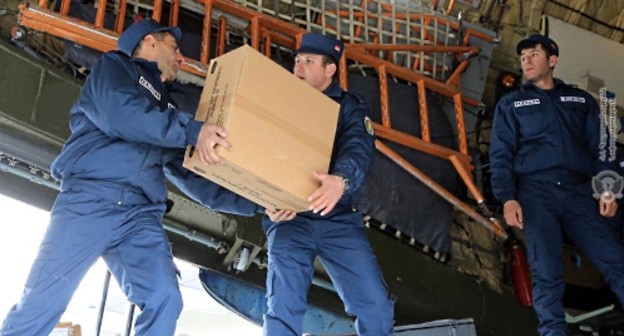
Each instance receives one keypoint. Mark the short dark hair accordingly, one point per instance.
(327, 61)
(547, 50)
(546, 42)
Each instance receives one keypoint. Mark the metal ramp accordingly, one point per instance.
(463, 327)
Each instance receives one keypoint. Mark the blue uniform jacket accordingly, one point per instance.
(124, 131)
(351, 155)
(549, 135)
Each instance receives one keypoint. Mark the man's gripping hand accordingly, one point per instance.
(324, 199)
(280, 215)
(211, 136)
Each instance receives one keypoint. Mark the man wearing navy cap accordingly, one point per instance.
(127, 135)
(544, 151)
(331, 229)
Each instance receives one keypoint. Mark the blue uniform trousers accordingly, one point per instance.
(551, 209)
(350, 262)
(131, 240)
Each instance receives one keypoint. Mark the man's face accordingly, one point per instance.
(167, 55)
(311, 69)
(535, 64)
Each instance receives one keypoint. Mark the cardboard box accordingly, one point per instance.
(280, 128)
(66, 329)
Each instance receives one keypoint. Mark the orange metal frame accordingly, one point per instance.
(388, 15)
(266, 31)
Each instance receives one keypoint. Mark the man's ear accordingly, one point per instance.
(552, 60)
(330, 69)
(149, 41)
(146, 47)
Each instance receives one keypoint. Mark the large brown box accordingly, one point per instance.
(280, 128)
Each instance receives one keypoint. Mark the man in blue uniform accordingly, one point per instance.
(331, 230)
(126, 136)
(544, 152)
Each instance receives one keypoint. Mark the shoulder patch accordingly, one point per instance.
(368, 124)
(146, 84)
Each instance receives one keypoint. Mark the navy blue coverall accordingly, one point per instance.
(126, 136)
(338, 239)
(544, 151)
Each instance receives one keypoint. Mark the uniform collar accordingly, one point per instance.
(333, 90)
(140, 61)
(148, 64)
(530, 85)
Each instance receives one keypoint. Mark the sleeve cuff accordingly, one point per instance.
(192, 131)
(506, 198)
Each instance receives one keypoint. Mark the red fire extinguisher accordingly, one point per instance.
(520, 276)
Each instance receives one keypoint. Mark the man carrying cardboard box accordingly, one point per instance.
(331, 230)
(126, 136)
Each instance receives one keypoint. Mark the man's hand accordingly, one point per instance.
(608, 209)
(327, 195)
(513, 214)
(211, 136)
(280, 215)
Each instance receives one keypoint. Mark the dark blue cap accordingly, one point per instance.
(131, 37)
(532, 40)
(314, 43)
